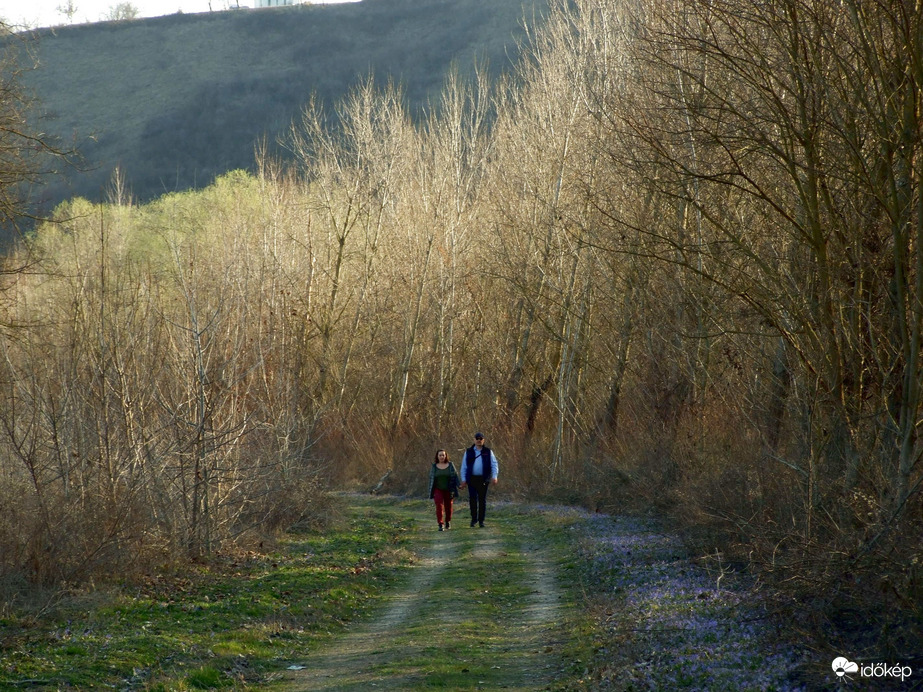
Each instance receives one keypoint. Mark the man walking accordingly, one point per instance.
(479, 470)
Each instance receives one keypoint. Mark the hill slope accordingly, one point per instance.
(176, 100)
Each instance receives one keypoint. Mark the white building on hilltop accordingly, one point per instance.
(274, 3)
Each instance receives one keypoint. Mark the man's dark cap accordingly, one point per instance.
(478, 436)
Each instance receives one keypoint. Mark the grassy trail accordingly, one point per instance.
(543, 598)
(481, 609)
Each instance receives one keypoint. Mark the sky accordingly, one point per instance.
(40, 13)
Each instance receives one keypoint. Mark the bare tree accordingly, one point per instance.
(122, 12)
(68, 10)
(351, 177)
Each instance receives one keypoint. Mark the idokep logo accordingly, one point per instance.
(843, 667)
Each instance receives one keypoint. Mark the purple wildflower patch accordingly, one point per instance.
(669, 623)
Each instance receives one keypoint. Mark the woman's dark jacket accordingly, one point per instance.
(453, 480)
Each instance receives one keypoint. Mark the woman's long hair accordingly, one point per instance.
(446, 455)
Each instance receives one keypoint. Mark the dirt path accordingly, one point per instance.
(479, 612)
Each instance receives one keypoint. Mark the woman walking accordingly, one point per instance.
(443, 487)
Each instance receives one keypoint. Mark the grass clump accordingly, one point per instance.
(207, 678)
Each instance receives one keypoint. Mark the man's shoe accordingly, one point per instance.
(481, 524)
(473, 522)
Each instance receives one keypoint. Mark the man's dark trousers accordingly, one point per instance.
(477, 497)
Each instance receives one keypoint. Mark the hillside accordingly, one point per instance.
(176, 100)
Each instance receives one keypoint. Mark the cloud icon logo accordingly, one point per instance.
(842, 666)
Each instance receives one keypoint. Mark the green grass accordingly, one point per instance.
(472, 633)
(228, 621)
(238, 621)
(457, 654)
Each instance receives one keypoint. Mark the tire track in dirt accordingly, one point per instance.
(347, 663)
(532, 629)
(371, 657)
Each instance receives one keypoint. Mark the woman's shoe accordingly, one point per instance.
(448, 525)
(440, 526)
